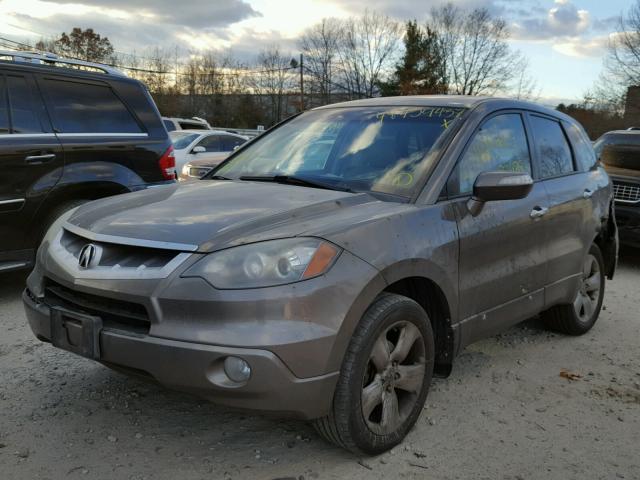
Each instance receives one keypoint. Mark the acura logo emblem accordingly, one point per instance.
(88, 255)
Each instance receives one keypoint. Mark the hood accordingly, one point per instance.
(214, 214)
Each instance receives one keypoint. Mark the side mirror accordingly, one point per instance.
(494, 186)
(198, 149)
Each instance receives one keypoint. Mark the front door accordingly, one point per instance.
(503, 249)
(31, 162)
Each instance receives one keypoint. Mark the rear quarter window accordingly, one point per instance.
(584, 152)
(89, 108)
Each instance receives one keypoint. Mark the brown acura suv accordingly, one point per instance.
(329, 268)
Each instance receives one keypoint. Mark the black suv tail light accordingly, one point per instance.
(167, 164)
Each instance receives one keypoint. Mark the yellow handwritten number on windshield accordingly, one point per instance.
(403, 180)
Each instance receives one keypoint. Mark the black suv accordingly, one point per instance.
(70, 132)
(619, 152)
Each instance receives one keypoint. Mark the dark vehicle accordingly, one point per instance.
(619, 152)
(67, 136)
(329, 268)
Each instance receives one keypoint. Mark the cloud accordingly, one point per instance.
(563, 20)
(192, 13)
(583, 48)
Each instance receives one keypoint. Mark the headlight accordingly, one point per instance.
(266, 264)
(185, 170)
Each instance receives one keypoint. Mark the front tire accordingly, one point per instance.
(384, 379)
(578, 317)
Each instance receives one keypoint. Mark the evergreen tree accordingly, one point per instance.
(420, 71)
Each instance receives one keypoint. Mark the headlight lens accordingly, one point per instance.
(266, 264)
(185, 170)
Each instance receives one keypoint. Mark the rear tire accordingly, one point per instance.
(384, 379)
(578, 317)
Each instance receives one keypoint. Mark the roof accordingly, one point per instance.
(207, 132)
(461, 101)
(52, 60)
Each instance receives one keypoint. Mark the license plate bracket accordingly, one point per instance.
(76, 332)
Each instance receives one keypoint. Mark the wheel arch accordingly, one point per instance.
(70, 193)
(424, 283)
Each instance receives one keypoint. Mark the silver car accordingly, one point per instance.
(329, 268)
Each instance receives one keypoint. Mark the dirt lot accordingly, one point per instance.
(505, 413)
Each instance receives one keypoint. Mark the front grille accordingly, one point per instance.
(116, 314)
(626, 193)
(119, 256)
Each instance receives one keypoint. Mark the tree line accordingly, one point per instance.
(455, 51)
(459, 51)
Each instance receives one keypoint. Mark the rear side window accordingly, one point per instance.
(24, 118)
(88, 108)
(211, 144)
(193, 126)
(168, 124)
(4, 110)
(554, 152)
(229, 143)
(500, 144)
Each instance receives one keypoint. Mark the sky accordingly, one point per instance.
(564, 40)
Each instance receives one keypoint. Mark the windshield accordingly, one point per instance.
(182, 140)
(381, 149)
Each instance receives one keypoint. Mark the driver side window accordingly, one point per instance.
(499, 145)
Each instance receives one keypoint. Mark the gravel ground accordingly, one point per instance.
(505, 413)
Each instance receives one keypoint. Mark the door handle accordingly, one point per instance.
(587, 193)
(37, 159)
(538, 212)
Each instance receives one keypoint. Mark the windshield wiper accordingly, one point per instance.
(293, 180)
(216, 177)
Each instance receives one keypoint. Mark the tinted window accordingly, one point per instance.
(23, 112)
(553, 150)
(193, 126)
(585, 154)
(500, 145)
(211, 143)
(169, 125)
(229, 143)
(4, 112)
(85, 108)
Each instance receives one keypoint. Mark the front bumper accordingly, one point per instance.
(292, 336)
(196, 368)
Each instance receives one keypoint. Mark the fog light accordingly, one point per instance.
(237, 369)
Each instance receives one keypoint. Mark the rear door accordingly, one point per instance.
(104, 142)
(503, 249)
(571, 215)
(31, 159)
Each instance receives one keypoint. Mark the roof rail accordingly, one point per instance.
(53, 60)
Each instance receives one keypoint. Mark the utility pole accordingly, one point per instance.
(301, 84)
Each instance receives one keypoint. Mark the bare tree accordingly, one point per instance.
(367, 50)
(273, 81)
(478, 59)
(623, 60)
(319, 45)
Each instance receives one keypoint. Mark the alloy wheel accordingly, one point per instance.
(394, 377)
(588, 296)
